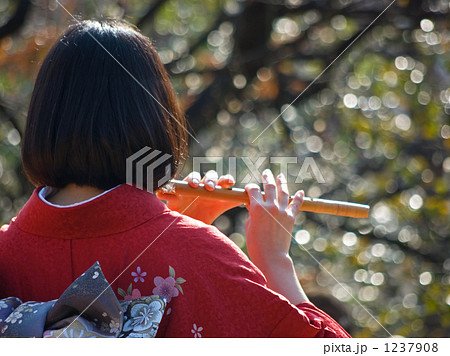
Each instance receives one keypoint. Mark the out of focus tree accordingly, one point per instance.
(367, 100)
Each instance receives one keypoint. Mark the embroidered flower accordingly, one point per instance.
(114, 326)
(34, 304)
(130, 294)
(143, 316)
(138, 275)
(13, 317)
(165, 287)
(20, 308)
(196, 330)
(3, 304)
(169, 287)
(4, 329)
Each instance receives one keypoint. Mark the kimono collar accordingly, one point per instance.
(116, 211)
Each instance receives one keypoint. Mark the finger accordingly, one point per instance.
(226, 181)
(282, 191)
(296, 202)
(270, 189)
(210, 180)
(254, 194)
(193, 179)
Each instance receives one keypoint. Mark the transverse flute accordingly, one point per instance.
(239, 195)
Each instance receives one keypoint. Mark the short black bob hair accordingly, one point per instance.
(88, 114)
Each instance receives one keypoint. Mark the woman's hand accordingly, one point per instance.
(268, 234)
(205, 210)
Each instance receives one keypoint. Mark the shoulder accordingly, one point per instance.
(203, 239)
(201, 249)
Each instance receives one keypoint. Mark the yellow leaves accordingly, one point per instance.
(437, 204)
(441, 186)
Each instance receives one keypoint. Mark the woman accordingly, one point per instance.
(101, 95)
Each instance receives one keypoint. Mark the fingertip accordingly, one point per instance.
(209, 185)
(281, 178)
(299, 195)
(194, 182)
(193, 179)
(229, 179)
(266, 176)
(226, 181)
(298, 198)
(228, 176)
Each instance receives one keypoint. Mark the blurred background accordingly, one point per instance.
(376, 122)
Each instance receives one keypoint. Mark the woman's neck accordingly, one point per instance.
(72, 194)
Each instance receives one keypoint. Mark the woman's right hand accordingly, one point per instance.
(205, 210)
(268, 234)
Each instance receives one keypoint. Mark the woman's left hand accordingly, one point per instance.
(205, 210)
(268, 234)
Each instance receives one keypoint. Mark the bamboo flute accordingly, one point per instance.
(239, 195)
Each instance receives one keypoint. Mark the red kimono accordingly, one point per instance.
(144, 248)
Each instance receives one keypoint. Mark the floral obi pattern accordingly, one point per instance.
(88, 308)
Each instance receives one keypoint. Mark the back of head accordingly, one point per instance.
(101, 95)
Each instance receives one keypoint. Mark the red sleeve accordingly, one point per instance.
(225, 294)
(308, 321)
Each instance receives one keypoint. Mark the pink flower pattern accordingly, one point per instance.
(169, 287)
(130, 294)
(135, 294)
(165, 287)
